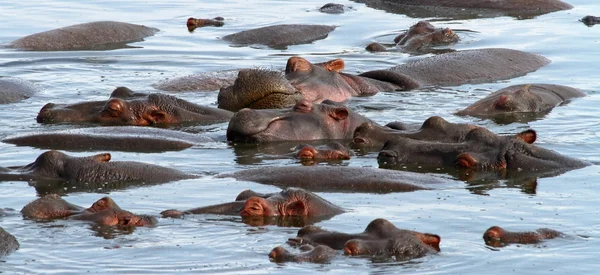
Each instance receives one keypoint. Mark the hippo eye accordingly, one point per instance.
(303, 107)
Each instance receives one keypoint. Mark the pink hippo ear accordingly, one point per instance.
(339, 113)
(298, 64)
(430, 240)
(528, 136)
(502, 103)
(336, 65)
(157, 117)
(296, 208)
(114, 107)
(105, 157)
(466, 160)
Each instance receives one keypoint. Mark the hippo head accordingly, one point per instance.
(334, 151)
(305, 121)
(421, 27)
(519, 100)
(103, 204)
(127, 108)
(443, 36)
(121, 218)
(57, 165)
(257, 206)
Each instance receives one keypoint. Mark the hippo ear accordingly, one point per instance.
(339, 113)
(430, 240)
(502, 103)
(528, 136)
(158, 117)
(102, 157)
(447, 32)
(114, 107)
(466, 160)
(336, 65)
(297, 64)
(296, 208)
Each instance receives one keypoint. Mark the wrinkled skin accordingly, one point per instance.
(403, 246)
(498, 237)
(590, 20)
(289, 202)
(8, 243)
(319, 254)
(332, 151)
(194, 23)
(104, 212)
(111, 138)
(56, 166)
(15, 89)
(434, 128)
(512, 101)
(262, 89)
(280, 36)
(342, 179)
(125, 107)
(333, 8)
(481, 150)
(305, 121)
(420, 38)
(102, 35)
(379, 238)
(207, 81)
(465, 9)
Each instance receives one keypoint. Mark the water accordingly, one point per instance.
(217, 244)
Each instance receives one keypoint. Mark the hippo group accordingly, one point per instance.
(304, 106)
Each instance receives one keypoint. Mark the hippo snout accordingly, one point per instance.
(387, 157)
(45, 114)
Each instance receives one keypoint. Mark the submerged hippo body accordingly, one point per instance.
(589, 20)
(498, 237)
(291, 202)
(420, 38)
(55, 166)
(463, 9)
(380, 238)
(262, 89)
(209, 81)
(126, 107)
(480, 150)
(341, 179)
(15, 89)
(305, 121)
(8, 243)
(511, 103)
(104, 212)
(102, 35)
(319, 254)
(111, 138)
(280, 36)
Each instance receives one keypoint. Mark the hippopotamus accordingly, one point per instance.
(14, 89)
(208, 81)
(264, 89)
(125, 107)
(288, 202)
(379, 237)
(111, 138)
(329, 152)
(280, 36)
(466, 9)
(498, 237)
(420, 37)
(55, 166)
(434, 128)
(318, 254)
(101, 35)
(305, 121)
(342, 179)
(194, 23)
(512, 103)
(334, 8)
(589, 20)
(480, 150)
(8, 243)
(104, 212)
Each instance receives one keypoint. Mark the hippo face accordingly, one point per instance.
(305, 121)
(58, 165)
(132, 109)
(516, 100)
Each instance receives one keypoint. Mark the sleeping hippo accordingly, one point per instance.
(101, 35)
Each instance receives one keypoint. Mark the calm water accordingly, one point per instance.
(218, 244)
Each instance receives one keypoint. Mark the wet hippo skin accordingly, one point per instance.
(102, 35)
(8, 243)
(280, 36)
(56, 166)
(319, 254)
(534, 99)
(15, 89)
(419, 38)
(125, 107)
(342, 179)
(463, 9)
(498, 237)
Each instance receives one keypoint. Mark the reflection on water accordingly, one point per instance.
(219, 244)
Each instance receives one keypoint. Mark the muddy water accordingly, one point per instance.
(217, 244)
